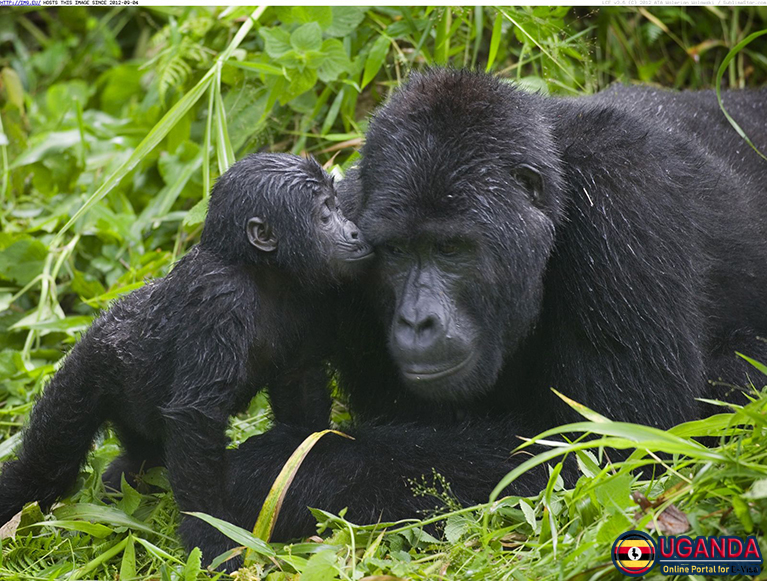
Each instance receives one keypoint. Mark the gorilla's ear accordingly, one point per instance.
(260, 235)
(532, 180)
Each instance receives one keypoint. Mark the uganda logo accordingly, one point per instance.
(634, 553)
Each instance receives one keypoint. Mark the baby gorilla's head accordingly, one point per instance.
(281, 210)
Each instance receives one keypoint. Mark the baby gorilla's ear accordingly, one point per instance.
(260, 235)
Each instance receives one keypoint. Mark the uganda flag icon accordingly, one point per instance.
(634, 553)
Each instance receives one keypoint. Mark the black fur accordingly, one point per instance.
(168, 364)
(613, 247)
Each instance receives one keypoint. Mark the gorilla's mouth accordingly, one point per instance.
(430, 374)
(362, 255)
(358, 253)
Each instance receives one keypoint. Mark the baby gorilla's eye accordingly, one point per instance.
(326, 212)
(448, 248)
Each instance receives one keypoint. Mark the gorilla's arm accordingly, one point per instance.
(371, 475)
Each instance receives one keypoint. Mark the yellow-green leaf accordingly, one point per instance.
(267, 518)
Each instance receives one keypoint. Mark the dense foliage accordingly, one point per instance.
(114, 123)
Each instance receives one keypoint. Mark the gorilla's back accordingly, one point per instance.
(736, 241)
(697, 116)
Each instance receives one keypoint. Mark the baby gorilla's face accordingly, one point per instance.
(342, 240)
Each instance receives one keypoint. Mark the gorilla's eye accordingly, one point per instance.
(532, 181)
(394, 249)
(326, 212)
(448, 248)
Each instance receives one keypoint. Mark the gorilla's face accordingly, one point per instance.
(463, 225)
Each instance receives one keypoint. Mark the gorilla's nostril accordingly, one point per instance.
(355, 235)
(427, 324)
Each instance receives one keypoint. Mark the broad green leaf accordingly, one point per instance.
(5, 301)
(62, 97)
(335, 63)
(86, 288)
(193, 565)
(615, 491)
(285, 14)
(101, 514)
(93, 529)
(21, 259)
(128, 564)
(533, 84)
(529, 513)
(612, 527)
(743, 512)
(322, 15)
(120, 84)
(321, 567)
(114, 293)
(8, 445)
(14, 90)
(277, 41)
(715, 425)
(294, 60)
(46, 144)
(375, 60)
(456, 527)
(237, 534)
(758, 490)
(69, 325)
(307, 37)
(244, 108)
(299, 83)
(345, 20)
(587, 463)
(197, 214)
(131, 498)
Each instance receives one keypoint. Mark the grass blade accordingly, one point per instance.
(224, 151)
(495, 41)
(760, 366)
(267, 518)
(720, 73)
(587, 413)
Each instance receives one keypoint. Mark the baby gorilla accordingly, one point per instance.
(251, 305)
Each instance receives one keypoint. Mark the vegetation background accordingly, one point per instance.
(114, 124)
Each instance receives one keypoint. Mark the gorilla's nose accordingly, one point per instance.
(351, 232)
(417, 330)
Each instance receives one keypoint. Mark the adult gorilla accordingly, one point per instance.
(613, 247)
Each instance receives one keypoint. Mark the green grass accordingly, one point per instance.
(114, 123)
